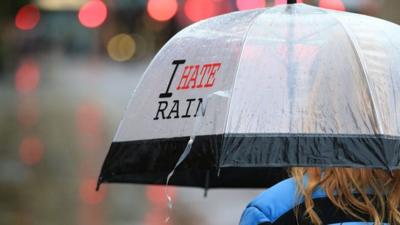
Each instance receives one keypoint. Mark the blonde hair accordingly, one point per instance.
(378, 190)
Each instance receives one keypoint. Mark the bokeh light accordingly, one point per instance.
(250, 4)
(121, 47)
(162, 10)
(88, 118)
(31, 150)
(196, 10)
(89, 124)
(280, 2)
(92, 14)
(27, 17)
(88, 193)
(157, 195)
(156, 216)
(332, 4)
(27, 77)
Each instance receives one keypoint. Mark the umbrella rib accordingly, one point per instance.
(382, 31)
(237, 70)
(364, 69)
(239, 62)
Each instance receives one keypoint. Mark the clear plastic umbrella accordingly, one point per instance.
(234, 100)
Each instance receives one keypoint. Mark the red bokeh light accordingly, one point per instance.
(89, 118)
(90, 142)
(162, 10)
(156, 216)
(250, 4)
(92, 14)
(31, 150)
(88, 193)
(27, 17)
(27, 77)
(332, 4)
(157, 195)
(280, 2)
(88, 121)
(196, 10)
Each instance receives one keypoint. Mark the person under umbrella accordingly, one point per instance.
(232, 101)
(329, 196)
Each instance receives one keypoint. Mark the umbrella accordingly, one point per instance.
(234, 100)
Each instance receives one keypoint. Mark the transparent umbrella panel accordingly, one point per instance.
(258, 91)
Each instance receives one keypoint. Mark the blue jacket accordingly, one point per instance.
(275, 207)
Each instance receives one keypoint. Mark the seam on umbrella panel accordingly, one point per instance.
(237, 69)
(397, 49)
(361, 61)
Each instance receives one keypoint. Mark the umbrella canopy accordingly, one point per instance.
(251, 93)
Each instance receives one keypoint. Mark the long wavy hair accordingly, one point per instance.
(378, 192)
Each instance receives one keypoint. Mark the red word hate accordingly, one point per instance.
(198, 76)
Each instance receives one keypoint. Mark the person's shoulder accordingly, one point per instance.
(273, 203)
(270, 204)
(276, 200)
(282, 191)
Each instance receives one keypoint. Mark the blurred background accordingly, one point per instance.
(67, 70)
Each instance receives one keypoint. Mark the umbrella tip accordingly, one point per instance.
(205, 192)
(98, 184)
(291, 1)
(207, 183)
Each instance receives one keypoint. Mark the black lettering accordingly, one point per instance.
(161, 109)
(168, 94)
(190, 100)
(175, 109)
(200, 106)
